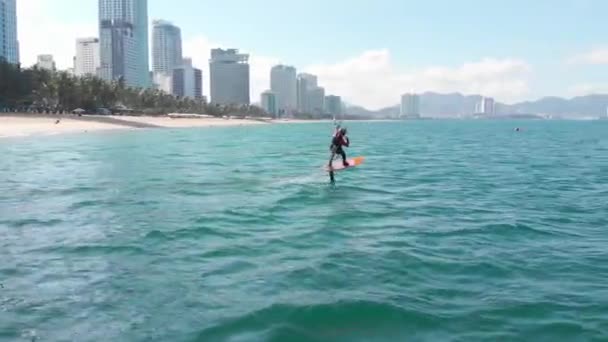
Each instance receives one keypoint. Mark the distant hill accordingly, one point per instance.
(454, 104)
(360, 111)
(590, 105)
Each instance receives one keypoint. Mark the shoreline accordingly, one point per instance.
(13, 125)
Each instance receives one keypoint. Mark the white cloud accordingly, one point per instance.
(597, 56)
(372, 80)
(40, 33)
(583, 89)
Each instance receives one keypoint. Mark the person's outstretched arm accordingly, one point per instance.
(346, 141)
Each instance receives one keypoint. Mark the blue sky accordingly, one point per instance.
(370, 51)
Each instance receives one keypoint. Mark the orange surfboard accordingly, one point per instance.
(338, 166)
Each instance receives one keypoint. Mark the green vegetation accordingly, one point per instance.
(43, 91)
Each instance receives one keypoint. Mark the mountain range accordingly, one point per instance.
(456, 104)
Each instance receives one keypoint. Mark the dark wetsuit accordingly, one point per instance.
(337, 142)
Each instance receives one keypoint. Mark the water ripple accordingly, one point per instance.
(461, 231)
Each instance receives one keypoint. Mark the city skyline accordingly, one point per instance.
(372, 67)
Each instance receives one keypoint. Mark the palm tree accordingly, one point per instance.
(59, 91)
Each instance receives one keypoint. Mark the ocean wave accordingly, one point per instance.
(442, 237)
(518, 230)
(339, 321)
(31, 222)
(87, 204)
(88, 250)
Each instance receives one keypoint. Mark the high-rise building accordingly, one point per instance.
(283, 84)
(163, 82)
(333, 105)
(187, 80)
(123, 36)
(9, 45)
(229, 74)
(486, 106)
(87, 57)
(305, 83)
(312, 80)
(46, 62)
(410, 106)
(167, 58)
(166, 46)
(316, 100)
(302, 95)
(269, 102)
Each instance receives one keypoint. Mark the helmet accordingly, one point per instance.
(343, 130)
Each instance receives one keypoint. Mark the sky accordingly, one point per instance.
(371, 51)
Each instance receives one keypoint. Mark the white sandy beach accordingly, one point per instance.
(15, 126)
(18, 125)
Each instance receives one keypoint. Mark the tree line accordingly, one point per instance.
(45, 91)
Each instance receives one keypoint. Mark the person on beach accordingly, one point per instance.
(338, 141)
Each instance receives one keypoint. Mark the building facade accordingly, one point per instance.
(306, 82)
(9, 44)
(333, 105)
(46, 62)
(163, 82)
(166, 47)
(187, 81)
(87, 60)
(229, 75)
(283, 83)
(269, 103)
(410, 106)
(123, 37)
(316, 101)
(486, 106)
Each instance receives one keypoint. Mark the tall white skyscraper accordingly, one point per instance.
(283, 84)
(123, 36)
(229, 74)
(46, 62)
(305, 83)
(166, 46)
(9, 45)
(410, 106)
(87, 57)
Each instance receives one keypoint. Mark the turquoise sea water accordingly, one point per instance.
(450, 231)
